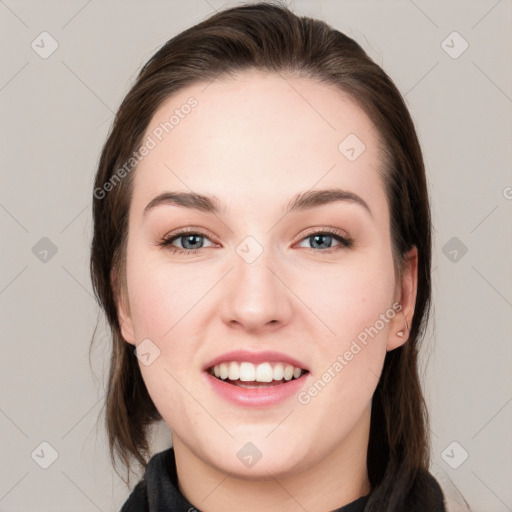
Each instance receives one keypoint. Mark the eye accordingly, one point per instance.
(191, 241)
(325, 237)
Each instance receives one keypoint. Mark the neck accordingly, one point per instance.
(338, 479)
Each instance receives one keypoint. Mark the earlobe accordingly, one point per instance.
(399, 328)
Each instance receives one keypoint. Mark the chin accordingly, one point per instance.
(253, 460)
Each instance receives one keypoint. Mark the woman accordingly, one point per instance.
(262, 251)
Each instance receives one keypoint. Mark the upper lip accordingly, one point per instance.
(255, 358)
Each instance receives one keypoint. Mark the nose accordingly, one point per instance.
(256, 296)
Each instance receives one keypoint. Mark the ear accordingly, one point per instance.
(123, 309)
(406, 296)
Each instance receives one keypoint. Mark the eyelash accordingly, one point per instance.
(345, 242)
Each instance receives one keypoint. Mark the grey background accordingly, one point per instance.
(56, 113)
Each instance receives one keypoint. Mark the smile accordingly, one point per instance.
(246, 390)
(237, 373)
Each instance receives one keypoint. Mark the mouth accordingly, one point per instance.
(268, 381)
(248, 375)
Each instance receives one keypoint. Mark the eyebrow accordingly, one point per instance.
(300, 202)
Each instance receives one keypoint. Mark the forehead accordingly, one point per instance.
(258, 137)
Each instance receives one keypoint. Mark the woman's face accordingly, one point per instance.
(254, 277)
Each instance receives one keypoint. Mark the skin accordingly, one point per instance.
(255, 142)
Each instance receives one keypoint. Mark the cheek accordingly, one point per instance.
(161, 297)
(354, 304)
(167, 304)
(162, 306)
(347, 297)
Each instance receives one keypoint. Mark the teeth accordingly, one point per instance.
(264, 372)
(278, 371)
(223, 367)
(247, 372)
(234, 371)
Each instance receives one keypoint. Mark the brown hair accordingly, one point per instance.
(271, 38)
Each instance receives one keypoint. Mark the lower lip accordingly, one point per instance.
(256, 397)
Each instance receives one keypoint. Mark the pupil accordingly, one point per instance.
(190, 239)
(317, 237)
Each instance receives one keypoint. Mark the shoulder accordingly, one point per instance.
(425, 494)
(155, 476)
(138, 499)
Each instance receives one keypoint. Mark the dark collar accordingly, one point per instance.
(158, 491)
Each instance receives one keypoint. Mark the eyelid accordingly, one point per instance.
(329, 231)
(188, 230)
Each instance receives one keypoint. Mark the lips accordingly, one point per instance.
(259, 396)
(255, 358)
